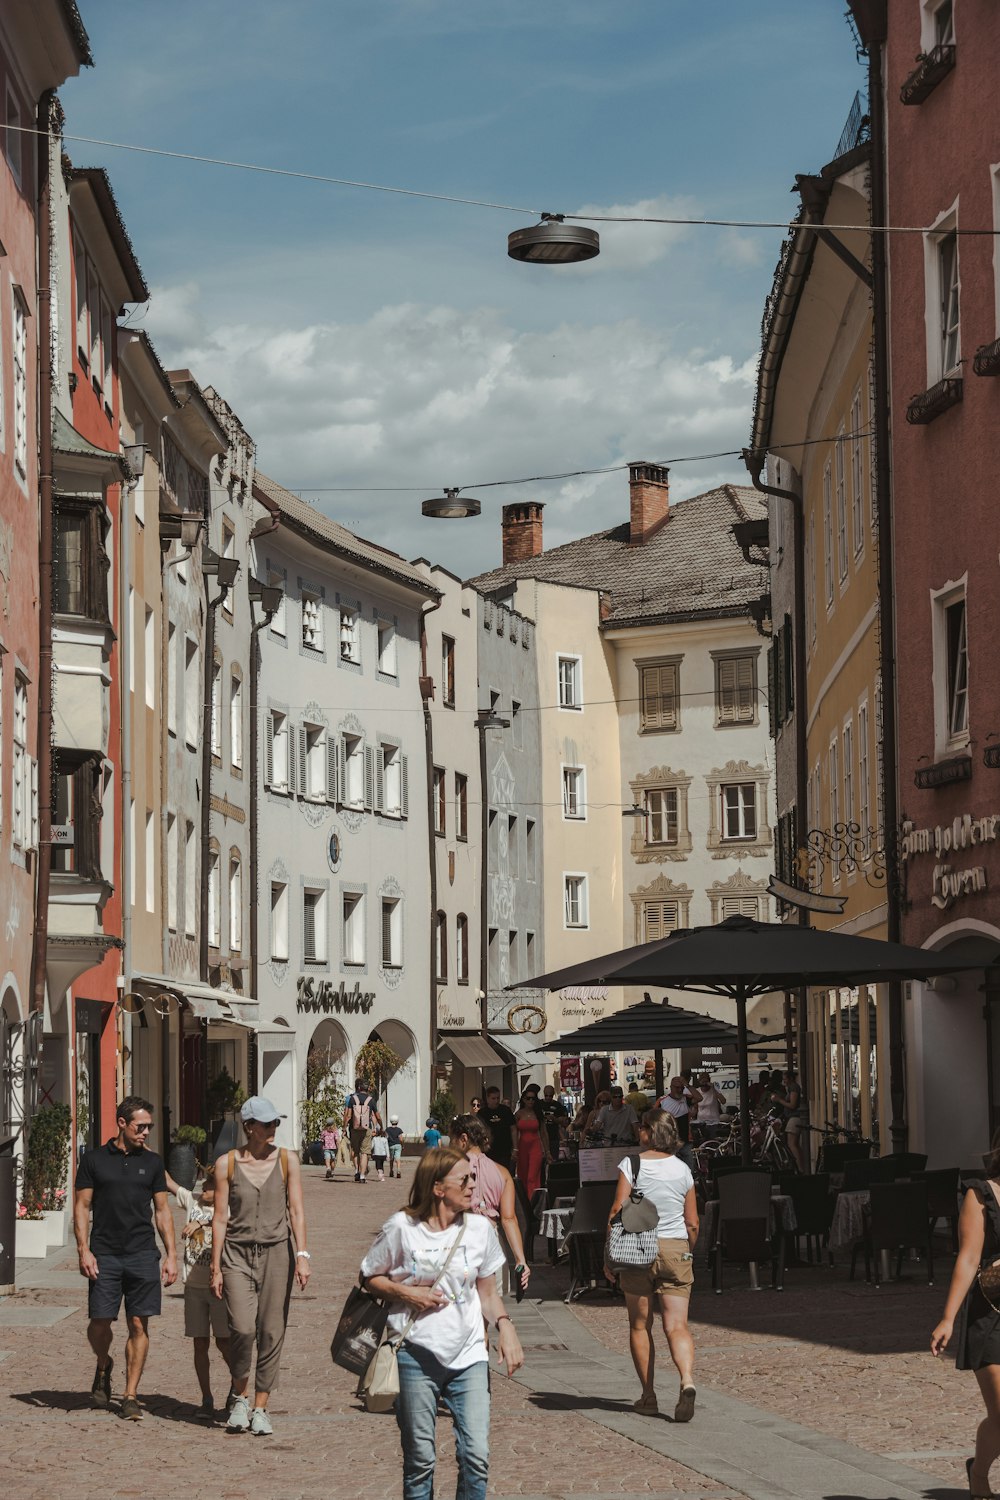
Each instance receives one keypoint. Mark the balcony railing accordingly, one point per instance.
(931, 67)
(986, 360)
(857, 128)
(931, 403)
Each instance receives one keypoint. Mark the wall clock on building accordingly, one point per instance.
(333, 852)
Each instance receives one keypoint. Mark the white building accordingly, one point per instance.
(344, 859)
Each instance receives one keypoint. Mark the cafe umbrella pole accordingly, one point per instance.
(744, 1062)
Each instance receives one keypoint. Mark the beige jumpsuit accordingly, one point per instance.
(258, 1267)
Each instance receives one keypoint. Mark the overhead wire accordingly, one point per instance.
(680, 221)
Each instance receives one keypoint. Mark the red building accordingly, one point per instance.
(940, 65)
(97, 275)
(42, 42)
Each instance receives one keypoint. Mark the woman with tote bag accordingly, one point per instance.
(436, 1263)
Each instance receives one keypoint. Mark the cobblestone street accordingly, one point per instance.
(846, 1362)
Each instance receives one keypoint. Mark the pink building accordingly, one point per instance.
(42, 43)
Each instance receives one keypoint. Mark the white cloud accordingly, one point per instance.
(634, 247)
(429, 396)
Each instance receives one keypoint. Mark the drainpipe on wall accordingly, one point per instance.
(211, 606)
(427, 694)
(262, 528)
(127, 648)
(887, 623)
(46, 495)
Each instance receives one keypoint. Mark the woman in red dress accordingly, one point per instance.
(532, 1144)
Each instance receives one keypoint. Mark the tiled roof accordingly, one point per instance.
(336, 538)
(689, 568)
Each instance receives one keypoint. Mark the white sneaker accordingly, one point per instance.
(239, 1416)
(260, 1423)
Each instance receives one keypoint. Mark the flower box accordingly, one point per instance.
(54, 1220)
(31, 1239)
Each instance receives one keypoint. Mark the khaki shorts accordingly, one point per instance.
(670, 1274)
(204, 1315)
(361, 1142)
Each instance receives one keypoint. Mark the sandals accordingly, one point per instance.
(987, 1495)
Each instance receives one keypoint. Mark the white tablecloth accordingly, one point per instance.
(555, 1222)
(849, 1218)
(782, 1217)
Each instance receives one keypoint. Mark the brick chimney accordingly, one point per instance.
(649, 500)
(522, 531)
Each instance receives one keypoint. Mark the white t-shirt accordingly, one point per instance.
(676, 1107)
(410, 1252)
(197, 1264)
(665, 1181)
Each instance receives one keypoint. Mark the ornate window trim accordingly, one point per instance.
(660, 778)
(732, 771)
(660, 888)
(741, 886)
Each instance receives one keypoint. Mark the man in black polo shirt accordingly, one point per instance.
(126, 1187)
(503, 1128)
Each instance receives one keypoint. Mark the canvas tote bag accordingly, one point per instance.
(633, 1240)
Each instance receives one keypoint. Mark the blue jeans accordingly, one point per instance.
(423, 1381)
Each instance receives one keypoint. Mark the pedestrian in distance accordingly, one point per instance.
(361, 1116)
(532, 1144)
(204, 1315)
(494, 1195)
(498, 1116)
(258, 1250)
(380, 1151)
(331, 1146)
(977, 1314)
(395, 1138)
(436, 1261)
(124, 1185)
(475, 1105)
(667, 1183)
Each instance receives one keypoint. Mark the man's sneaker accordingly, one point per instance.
(130, 1410)
(260, 1423)
(229, 1401)
(100, 1391)
(207, 1409)
(239, 1415)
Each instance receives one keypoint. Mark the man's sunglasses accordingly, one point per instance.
(143, 1128)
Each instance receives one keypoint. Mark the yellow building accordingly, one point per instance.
(813, 419)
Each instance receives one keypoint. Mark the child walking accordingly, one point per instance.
(204, 1315)
(380, 1151)
(395, 1136)
(331, 1141)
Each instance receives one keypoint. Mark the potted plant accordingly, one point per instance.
(224, 1097)
(324, 1101)
(46, 1172)
(183, 1159)
(443, 1109)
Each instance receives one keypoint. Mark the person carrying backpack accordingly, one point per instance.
(360, 1117)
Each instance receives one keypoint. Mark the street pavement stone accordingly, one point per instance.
(851, 1361)
(54, 1447)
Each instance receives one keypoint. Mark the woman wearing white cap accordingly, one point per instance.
(395, 1135)
(258, 1214)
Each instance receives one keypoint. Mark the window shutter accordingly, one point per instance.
(269, 751)
(772, 716)
(788, 660)
(33, 842)
(386, 933)
(342, 789)
(650, 697)
(333, 752)
(404, 794)
(308, 927)
(291, 758)
(744, 689)
(727, 691)
(369, 778)
(661, 918)
(739, 906)
(300, 747)
(380, 779)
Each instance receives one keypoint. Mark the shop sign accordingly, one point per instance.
(965, 832)
(570, 1075)
(323, 995)
(582, 1001)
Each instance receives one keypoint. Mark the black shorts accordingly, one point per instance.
(134, 1277)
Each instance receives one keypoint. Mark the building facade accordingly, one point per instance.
(343, 916)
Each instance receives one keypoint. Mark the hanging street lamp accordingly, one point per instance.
(554, 242)
(449, 507)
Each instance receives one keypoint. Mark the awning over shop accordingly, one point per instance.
(520, 1051)
(472, 1051)
(203, 1000)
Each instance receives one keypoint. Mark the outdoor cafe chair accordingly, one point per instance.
(836, 1154)
(942, 1198)
(813, 1204)
(562, 1178)
(745, 1233)
(860, 1174)
(896, 1220)
(906, 1163)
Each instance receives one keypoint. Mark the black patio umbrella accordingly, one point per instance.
(742, 958)
(659, 1026)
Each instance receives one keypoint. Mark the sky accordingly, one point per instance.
(380, 347)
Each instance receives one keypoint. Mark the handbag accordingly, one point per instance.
(988, 1278)
(633, 1240)
(359, 1332)
(379, 1385)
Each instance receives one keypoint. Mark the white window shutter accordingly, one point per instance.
(300, 748)
(269, 751)
(380, 779)
(369, 778)
(333, 749)
(727, 691)
(404, 795)
(342, 789)
(291, 759)
(33, 844)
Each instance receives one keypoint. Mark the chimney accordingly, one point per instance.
(649, 500)
(522, 531)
